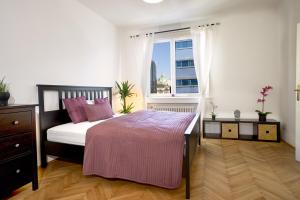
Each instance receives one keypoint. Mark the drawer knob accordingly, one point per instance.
(16, 122)
(229, 130)
(17, 145)
(267, 132)
(18, 171)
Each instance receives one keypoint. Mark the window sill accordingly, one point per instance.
(176, 99)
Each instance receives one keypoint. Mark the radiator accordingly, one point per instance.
(174, 107)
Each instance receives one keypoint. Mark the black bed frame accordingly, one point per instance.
(53, 118)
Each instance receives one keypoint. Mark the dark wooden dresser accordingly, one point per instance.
(18, 164)
(243, 129)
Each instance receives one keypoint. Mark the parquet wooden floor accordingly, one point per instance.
(222, 169)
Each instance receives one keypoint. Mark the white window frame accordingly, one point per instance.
(173, 69)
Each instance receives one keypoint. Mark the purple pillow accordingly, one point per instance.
(106, 103)
(75, 108)
(98, 111)
(100, 100)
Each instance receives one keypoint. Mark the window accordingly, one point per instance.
(184, 63)
(161, 68)
(184, 44)
(186, 82)
(172, 68)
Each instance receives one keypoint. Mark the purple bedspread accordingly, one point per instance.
(145, 147)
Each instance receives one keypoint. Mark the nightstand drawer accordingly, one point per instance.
(267, 132)
(15, 173)
(12, 146)
(15, 122)
(230, 130)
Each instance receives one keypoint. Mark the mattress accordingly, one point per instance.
(71, 133)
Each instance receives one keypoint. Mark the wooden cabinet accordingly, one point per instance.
(247, 129)
(230, 130)
(267, 132)
(18, 164)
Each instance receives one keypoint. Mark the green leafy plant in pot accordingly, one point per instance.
(4, 93)
(125, 91)
(264, 93)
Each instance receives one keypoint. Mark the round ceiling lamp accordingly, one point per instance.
(152, 1)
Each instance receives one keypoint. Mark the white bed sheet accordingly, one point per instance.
(71, 133)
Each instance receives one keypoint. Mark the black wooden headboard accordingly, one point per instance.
(53, 118)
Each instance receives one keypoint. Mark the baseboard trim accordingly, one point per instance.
(287, 143)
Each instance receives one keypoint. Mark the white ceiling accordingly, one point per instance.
(130, 13)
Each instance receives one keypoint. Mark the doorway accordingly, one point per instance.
(298, 96)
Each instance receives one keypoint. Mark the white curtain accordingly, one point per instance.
(203, 52)
(142, 47)
(148, 42)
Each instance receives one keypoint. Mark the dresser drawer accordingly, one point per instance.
(267, 132)
(15, 145)
(15, 122)
(15, 173)
(230, 130)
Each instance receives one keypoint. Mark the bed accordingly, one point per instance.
(55, 122)
(71, 133)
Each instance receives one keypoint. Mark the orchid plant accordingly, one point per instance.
(264, 93)
(3, 85)
(214, 107)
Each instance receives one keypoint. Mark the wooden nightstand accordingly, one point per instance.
(18, 164)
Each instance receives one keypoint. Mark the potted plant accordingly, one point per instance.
(264, 93)
(4, 93)
(125, 91)
(213, 113)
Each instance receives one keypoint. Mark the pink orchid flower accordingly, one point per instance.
(264, 93)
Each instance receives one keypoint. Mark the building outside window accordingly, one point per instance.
(186, 79)
(172, 68)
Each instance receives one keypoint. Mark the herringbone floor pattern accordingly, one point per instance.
(222, 169)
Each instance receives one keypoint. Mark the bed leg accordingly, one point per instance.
(43, 163)
(43, 156)
(187, 167)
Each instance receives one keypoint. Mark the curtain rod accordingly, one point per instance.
(177, 29)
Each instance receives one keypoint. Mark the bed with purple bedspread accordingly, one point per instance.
(145, 147)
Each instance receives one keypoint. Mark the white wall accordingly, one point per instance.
(54, 42)
(246, 59)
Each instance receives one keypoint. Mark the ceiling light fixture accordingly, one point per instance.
(152, 1)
